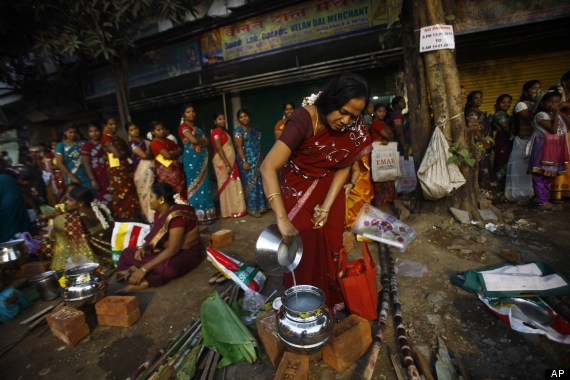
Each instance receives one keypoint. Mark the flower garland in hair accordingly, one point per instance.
(97, 206)
(310, 100)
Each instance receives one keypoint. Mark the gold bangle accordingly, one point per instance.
(323, 210)
(272, 195)
(144, 270)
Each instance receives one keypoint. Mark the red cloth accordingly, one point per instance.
(124, 202)
(173, 174)
(316, 158)
(177, 265)
(376, 127)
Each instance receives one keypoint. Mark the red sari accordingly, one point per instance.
(306, 178)
(124, 202)
(179, 264)
(173, 173)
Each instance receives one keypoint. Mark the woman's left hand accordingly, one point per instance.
(137, 276)
(320, 217)
(246, 165)
(347, 189)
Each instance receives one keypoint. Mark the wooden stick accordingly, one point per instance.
(384, 304)
(37, 315)
(396, 364)
(423, 363)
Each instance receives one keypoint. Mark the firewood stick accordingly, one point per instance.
(384, 304)
(423, 363)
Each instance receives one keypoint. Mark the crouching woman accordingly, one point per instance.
(171, 249)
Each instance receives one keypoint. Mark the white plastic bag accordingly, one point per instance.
(408, 181)
(374, 224)
(437, 178)
(385, 162)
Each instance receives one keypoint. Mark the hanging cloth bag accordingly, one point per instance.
(438, 178)
(408, 181)
(357, 280)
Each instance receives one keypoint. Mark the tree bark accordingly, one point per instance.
(121, 79)
(442, 80)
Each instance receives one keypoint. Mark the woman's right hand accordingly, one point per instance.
(287, 229)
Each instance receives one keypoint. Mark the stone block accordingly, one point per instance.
(350, 339)
(117, 305)
(293, 367)
(119, 320)
(65, 320)
(34, 268)
(461, 215)
(484, 203)
(348, 240)
(488, 215)
(267, 331)
(72, 337)
(220, 238)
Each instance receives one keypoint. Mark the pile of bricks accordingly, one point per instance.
(68, 324)
(122, 311)
(350, 340)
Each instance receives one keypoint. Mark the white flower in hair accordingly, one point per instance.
(310, 100)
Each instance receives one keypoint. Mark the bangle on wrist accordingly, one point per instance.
(352, 183)
(144, 270)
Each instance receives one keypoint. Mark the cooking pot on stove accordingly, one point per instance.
(84, 284)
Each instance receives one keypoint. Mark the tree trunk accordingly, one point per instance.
(121, 79)
(442, 80)
(418, 103)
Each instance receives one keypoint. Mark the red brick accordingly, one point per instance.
(73, 337)
(221, 238)
(293, 367)
(34, 268)
(349, 341)
(119, 320)
(117, 305)
(267, 331)
(65, 320)
(347, 240)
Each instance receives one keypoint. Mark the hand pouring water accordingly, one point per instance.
(273, 255)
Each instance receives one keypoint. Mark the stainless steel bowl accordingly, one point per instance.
(47, 285)
(273, 255)
(11, 251)
(84, 285)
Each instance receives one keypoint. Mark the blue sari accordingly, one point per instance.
(195, 162)
(251, 179)
(72, 160)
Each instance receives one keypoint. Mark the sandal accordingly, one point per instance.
(214, 278)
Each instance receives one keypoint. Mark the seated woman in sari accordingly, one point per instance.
(171, 249)
(84, 230)
(319, 144)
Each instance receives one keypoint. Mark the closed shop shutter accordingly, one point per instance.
(507, 75)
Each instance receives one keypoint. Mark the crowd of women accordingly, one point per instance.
(322, 151)
(524, 154)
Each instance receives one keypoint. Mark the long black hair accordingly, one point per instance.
(469, 102)
(340, 91)
(526, 86)
(81, 194)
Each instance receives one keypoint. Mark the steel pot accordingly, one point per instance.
(11, 251)
(273, 255)
(84, 284)
(47, 285)
(303, 321)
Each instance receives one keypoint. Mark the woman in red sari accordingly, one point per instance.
(315, 152)
(172, 248)
(124, 202)
(166, 153)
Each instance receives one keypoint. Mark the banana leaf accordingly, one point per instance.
(224, 332)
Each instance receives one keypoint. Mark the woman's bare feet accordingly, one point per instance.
(134, 288)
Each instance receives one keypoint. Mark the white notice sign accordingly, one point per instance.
(436, 37)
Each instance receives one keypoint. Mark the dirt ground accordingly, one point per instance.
(432, 307)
